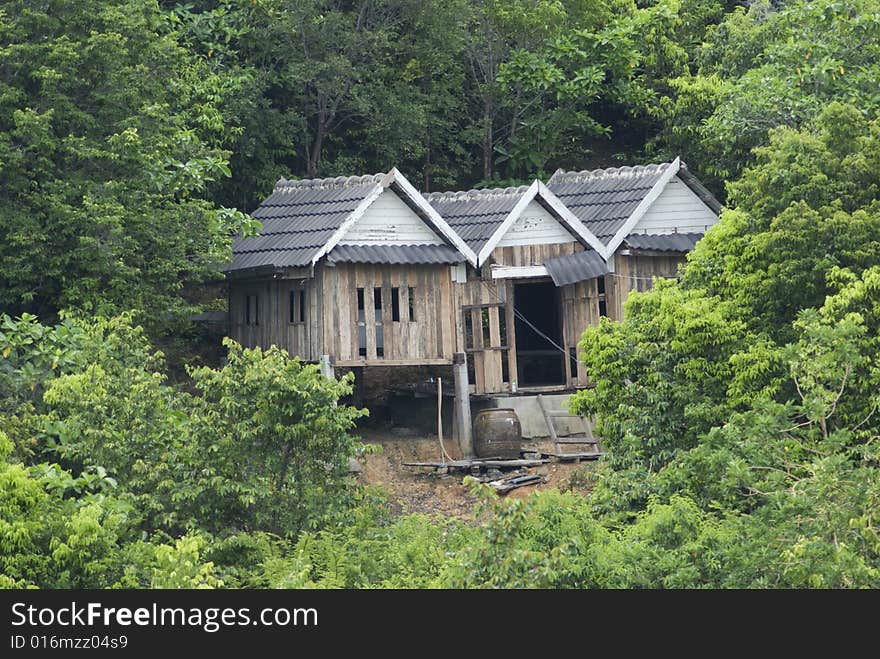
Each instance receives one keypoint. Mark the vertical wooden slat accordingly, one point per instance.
(567, 329)
(511, 332)
(477, 325)
(445, 345)
(365, 281)
(351, 270)
(493, 357)
(438, 310)
(387, 322)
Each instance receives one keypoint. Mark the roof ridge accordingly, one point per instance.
(481, 193)
(287, 185)
(608, 172)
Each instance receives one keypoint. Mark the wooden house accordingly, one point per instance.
(355, 268)
(365, 271)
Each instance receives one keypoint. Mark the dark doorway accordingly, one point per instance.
(538, 361)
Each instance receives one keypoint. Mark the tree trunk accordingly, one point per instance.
(488, 142)
(426, 179)
(315, 154)
(320, 130)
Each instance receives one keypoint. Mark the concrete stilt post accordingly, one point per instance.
(327, 367)
(462, 405)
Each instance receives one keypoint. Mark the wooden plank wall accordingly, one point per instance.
(485, 302)
(529, 255)
(273, 326)
(580, 309)
(430, 338)
(634, 273)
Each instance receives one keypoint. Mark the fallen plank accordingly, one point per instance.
(562, 457)
(467, 464)
(504, 485)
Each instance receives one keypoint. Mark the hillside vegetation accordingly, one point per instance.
(738, 405)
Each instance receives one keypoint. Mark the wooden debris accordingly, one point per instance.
(469, 464)
(503, 485)
(564, 457)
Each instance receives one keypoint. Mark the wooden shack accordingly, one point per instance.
(355, 268)
(368, 272)
(519, 321)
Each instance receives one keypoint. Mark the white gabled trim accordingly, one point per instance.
(517, 271)
(512, 217)
(394, 176)
(570, 220)
(643, 206)
(353, 217)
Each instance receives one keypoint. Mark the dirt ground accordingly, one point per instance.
(423, 490)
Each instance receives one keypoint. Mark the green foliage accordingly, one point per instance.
(738, 405)
(273, 444)
(259, 445)
(768, 66)
(109, 134)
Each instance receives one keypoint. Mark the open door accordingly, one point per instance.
(540, 358)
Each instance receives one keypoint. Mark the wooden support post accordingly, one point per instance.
(327, 367)
(358, 393)
(462, 405)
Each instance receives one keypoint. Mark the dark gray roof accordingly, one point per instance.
(298, 218)
(576, 267)
(476, 214)
(603, 199)
(667, 242)
(394, 254)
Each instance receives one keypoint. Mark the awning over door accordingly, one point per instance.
(572, 268)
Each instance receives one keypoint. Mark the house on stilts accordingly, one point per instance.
(365, 271)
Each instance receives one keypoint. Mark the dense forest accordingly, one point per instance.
(737, 404)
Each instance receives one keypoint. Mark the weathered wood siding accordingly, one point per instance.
(635, 273)
(529, 254)
(535, 226)
(270, 322)
(580, 309)
(483, 319)
(677, 208)
(428, 338)
(389, 221)
(485, 313)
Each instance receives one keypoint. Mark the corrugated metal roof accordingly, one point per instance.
(603, 199)
(576, 267)
(476, 214)
(298, 218)
(667, 242)
(394, 254)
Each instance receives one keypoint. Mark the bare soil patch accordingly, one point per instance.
(422, 490)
